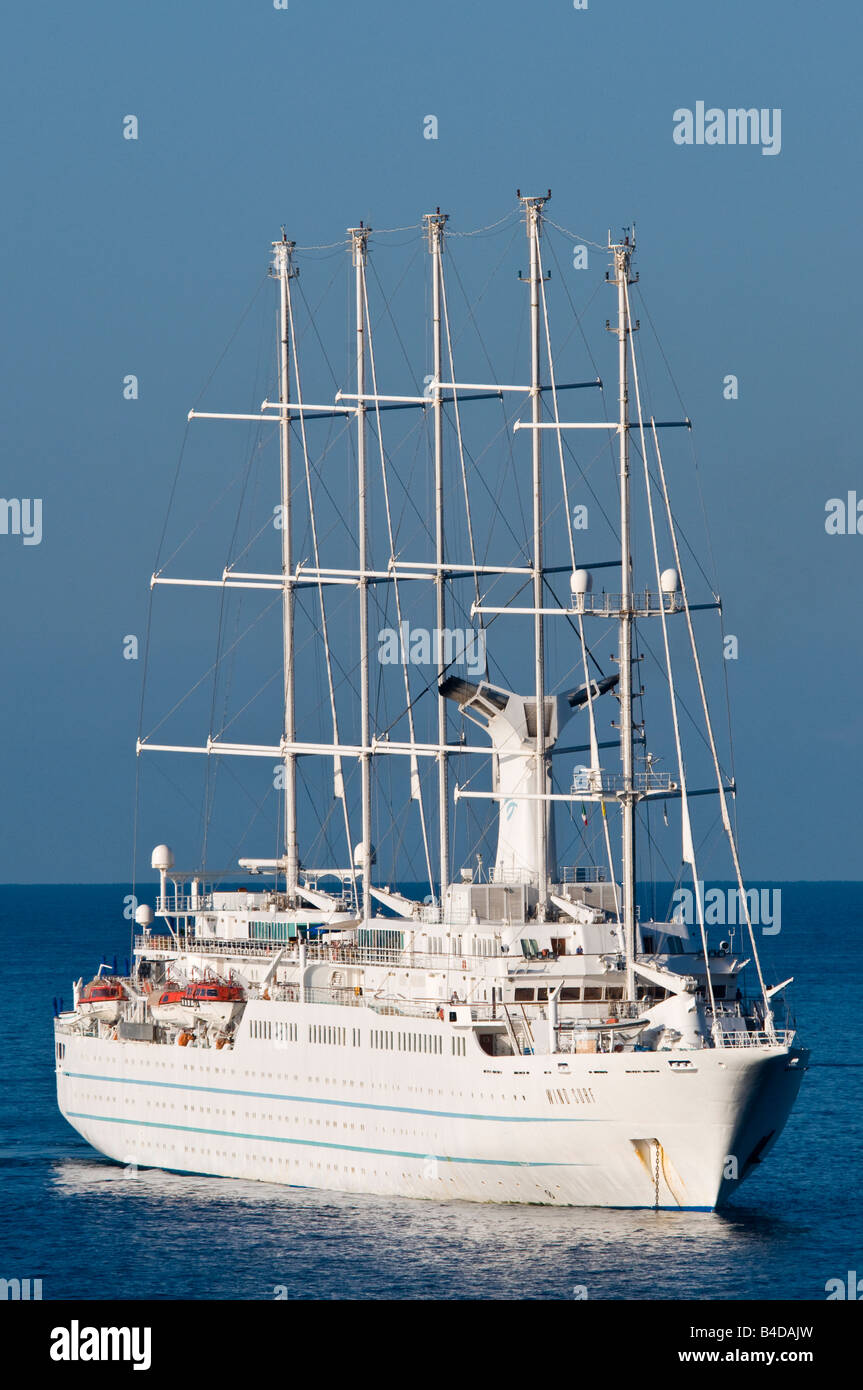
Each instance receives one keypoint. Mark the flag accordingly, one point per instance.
(602, 804)
(665, 813)
(583, 814)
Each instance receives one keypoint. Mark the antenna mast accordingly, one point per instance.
(533, 219)
(622, 253)
(435, 224)
(285, 272)
(359, 239)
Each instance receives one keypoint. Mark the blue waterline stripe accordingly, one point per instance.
(317, 1143)
(323, 1100)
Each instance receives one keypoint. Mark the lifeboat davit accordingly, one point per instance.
(102, 999)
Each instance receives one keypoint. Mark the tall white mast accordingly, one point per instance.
(435, 222)
(533, 219)
(359, 238)
(284, 269)
(622, 253)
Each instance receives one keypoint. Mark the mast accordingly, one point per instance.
(622, 253)
(533, 219)
(435, 222)
(359, 238)
(285, 272)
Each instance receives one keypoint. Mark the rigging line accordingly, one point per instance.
(481, 231)
(548, 585)
(255, 446)
(710, 583)
(433, 682)
(508, 433)
(578, 317)
(688, 847)
(218, 362)
(237, 481)
(470, 307)
(416, 786)
(227, 723)
(313, 319)
(555, 404)
(608, 443)
(387, 309)
(574, 236)
(338, 780)
(723, 801)
(326, 246)
(210, 669)
(457, 415)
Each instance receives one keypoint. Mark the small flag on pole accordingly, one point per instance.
(602, 804)
(665, 813)
(583, 814)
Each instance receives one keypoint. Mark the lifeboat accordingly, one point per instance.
(215, 1001)
(212, 1000)
(102, 999)
(169, 1004)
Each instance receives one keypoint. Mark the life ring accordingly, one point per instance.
(184, 1039)
(464, 965)
(440, 1014)
(220, 1043)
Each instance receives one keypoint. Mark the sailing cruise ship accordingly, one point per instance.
(522, 1032)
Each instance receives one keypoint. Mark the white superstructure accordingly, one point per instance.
(521, 1034)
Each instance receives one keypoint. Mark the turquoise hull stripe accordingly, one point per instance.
(316, 1143)
(322, 1100)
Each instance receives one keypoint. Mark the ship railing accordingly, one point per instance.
(344, 953)
(587, 779)
(645, 604)
(174, 904)
(583, 873)
(780, 1037)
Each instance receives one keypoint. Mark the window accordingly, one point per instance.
(592, 992)
(524, 996)
(570, 993)
(614, 992)
(542, 994)
(380, 939)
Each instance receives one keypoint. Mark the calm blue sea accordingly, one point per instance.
(88, 1230)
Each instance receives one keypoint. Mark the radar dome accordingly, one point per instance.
(581, 581)
(162, 859)
(669, 581)
(358, 855)
(144, 915)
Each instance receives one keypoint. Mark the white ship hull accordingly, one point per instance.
(346, 1114)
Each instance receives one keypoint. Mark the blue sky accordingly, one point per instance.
(140, 257)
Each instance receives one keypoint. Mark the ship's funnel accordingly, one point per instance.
(510, 721)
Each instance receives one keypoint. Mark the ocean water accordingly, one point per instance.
(90, 1230)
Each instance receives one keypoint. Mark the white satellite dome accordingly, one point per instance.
(162, 859)
(358, 855)
(144, 915)
(581, 581)
(669, 581)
